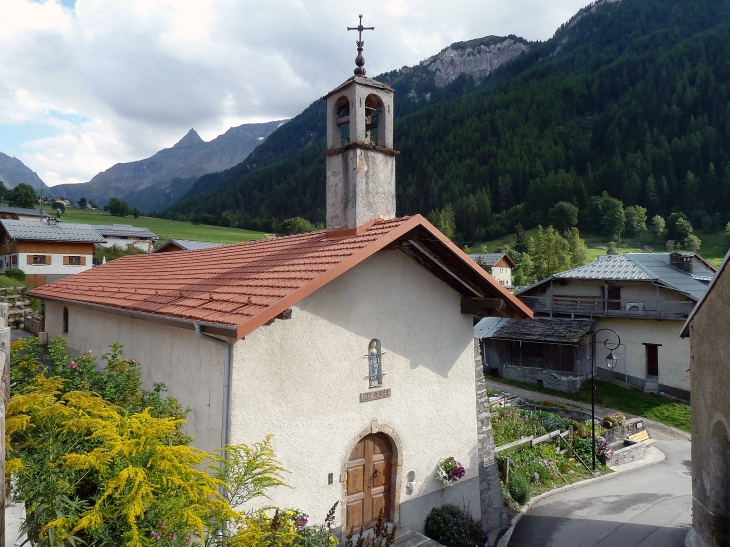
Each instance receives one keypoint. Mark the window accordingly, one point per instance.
(342, 118)
(39, 259)
(373, 112)
(65, 320)
(14, 260)
(74, 261)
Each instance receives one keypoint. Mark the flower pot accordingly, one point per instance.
(603, 459)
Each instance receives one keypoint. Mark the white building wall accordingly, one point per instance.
(674, 353)
(192, 368)
(56, 267)
(301, 378)
(502, 275)
(142, 245)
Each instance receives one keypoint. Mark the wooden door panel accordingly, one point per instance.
(354, 514)
(369, 481)
(355, 482)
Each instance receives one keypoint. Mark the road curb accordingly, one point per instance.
(504, 540)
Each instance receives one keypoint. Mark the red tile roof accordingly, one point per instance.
(243, 285)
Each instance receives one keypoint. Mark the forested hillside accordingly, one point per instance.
(631, 98)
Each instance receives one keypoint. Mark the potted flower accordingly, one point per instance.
(449, 471)
(603, 450)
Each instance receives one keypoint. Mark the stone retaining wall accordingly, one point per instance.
(539, 376)
(627, 451)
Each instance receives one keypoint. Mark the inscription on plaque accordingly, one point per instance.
(374, 395)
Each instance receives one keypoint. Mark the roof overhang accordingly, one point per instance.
(218, 329)
(685, 328)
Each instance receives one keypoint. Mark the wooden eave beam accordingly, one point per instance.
(484, 306)
(425, 251)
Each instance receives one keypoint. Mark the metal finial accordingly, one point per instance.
(360, 60)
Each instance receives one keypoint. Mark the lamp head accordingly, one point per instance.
(611, 361)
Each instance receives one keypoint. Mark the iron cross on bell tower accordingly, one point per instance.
(360, 60)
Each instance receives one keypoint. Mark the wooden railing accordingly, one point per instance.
(595, 306)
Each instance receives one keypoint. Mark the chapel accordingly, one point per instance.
(353, 346)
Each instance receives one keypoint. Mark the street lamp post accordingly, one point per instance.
(611, 361)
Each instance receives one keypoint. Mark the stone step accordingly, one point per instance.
(404, 537)
(651, 385)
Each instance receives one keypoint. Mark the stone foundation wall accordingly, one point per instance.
(628, 451)
(537, 375)
(494, 516)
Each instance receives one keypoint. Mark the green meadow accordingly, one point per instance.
(165, 229)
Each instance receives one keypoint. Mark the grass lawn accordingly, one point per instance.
(165, 229)
(655, 407)
(714, 246)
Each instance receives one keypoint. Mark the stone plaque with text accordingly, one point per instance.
(374, 395)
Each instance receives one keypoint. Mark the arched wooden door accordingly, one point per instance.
(369, 477)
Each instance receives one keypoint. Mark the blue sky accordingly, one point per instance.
(85, 84)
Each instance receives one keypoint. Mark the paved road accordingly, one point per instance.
(647, 508)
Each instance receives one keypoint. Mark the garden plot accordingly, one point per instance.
(540, 450)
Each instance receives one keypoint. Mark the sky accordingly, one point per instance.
(85, 84)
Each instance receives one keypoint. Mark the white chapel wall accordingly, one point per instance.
(191, 368)
(301, 378)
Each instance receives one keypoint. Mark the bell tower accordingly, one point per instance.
(360, 155)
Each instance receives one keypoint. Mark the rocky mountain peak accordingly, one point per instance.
(476, 57)
(191, 138)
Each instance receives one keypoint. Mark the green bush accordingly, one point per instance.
(583, 448)
(519, 488)
(452, 526)
(15, 273)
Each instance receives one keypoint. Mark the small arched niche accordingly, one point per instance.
(373, 118)
(342, 118)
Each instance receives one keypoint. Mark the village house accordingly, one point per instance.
(126, 235)
(353, 346)
(46, 251)
(185, 245)
(500, 265)
(644, 298)
(707, 327)
(21, 213)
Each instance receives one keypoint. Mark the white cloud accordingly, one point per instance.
(136, 75)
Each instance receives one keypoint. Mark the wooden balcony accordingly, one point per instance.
(595, 306)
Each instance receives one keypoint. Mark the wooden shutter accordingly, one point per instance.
(65, 260)
(48, 260)
(30, 259)
(82, 260)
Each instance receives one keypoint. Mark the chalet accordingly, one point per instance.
(707, 328)
(312, 337)
(500, 265)
(185, 245)
(47, 251)
(21, 213)
(126, 235)
(643, 298)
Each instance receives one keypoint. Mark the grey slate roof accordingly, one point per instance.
(190, 245)
(23, 211)
(556, 331)
(490, 259)
(43, 231)
(652, 267)
(124, 230)
(685, 328)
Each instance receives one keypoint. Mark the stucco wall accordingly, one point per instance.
(674, 353)
(301, 379)
(56, 267)
(191, 368)
(710, 411)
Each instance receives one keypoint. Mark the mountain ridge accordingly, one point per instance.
(13, 172)
(156, 181)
